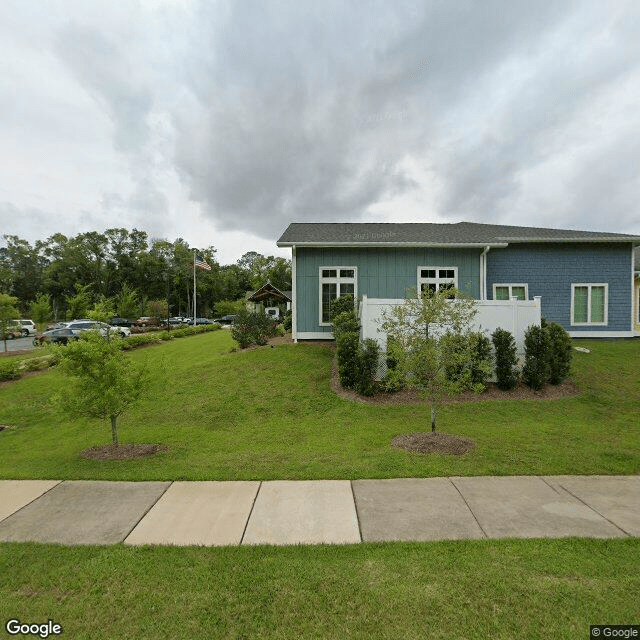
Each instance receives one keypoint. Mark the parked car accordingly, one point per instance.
(60, 336)
(200, 321)
(147, 321)
(123, 332)
(13, 330)
(121, 322)
(78, 326)
(225, 320)
(28, 328)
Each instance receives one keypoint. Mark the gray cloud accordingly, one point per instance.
(263, 113)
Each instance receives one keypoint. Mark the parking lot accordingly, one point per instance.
(17, 344)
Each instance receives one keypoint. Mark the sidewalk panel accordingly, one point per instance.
(303, 512)
(83, 512)
(527, 507)
(15, 494)
(413, 509)
(617, 498)
(198, 513)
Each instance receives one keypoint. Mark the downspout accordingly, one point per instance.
(483, 273)
(294, 297)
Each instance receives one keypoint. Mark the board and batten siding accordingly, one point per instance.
(382, 273)
(550, 269)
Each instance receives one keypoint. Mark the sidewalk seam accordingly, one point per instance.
(155, 502)
(24, 506)
(355, 506)
(484, 533)
(246, 524)
(590, 507)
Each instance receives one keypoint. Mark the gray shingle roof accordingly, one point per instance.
(424, 233)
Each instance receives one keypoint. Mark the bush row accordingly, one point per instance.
(156, 337)
(547, 356)
(13, 369)
(547, 359)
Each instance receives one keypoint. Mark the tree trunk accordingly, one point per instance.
(433, 418)
(114, 430)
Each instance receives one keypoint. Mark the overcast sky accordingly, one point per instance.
(222, 122)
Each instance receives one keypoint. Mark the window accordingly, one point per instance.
(436, 278)
(335, 282)
(508, 291)
(589, 304)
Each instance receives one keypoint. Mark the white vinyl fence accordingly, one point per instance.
(513, 315)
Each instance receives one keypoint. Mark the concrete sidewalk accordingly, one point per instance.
(282, 512)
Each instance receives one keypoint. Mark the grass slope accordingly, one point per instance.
(269, 413)
(526, 589)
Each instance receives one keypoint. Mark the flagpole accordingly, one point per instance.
(194, 287)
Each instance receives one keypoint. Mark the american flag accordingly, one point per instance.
(201, 263)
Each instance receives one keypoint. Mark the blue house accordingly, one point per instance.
(585, 279)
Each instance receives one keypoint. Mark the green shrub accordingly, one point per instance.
(287, 323)
(345, 322)
(250, 328)
(458, 359)
(392, 382)
(368, 354)
(347, 354)
(481, 358)
(506, 359)
(536, 357)
(340, 305)
(560, 353)
(9, 370)
(139, 340)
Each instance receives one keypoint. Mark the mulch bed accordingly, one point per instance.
(433, 443)
(411, 396)
(122, 451)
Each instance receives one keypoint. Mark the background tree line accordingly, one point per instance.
(126, 271)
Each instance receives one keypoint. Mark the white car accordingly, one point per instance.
(27, 328)
(78, 326)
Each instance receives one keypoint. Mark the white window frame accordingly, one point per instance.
(338, 281)
(589, 286)
(511, 285)
(437, 280)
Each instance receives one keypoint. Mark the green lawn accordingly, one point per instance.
(269, 413)
(525, 589)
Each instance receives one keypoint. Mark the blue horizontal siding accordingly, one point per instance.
(550, 269)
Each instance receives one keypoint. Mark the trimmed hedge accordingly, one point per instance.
(536, 357)
(506, 359)
(560, 353)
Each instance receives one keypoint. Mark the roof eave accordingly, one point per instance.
(465, 245)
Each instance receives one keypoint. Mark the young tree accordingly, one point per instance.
(415, 335)
(102, 311)
(158, 309)
(8, 313)
(78, 305)
(104, 380)
(126, 302)
(40, 310)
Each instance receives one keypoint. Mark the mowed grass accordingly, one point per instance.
(525, 589)
(269, 413)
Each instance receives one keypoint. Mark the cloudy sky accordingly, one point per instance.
(221, 122)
